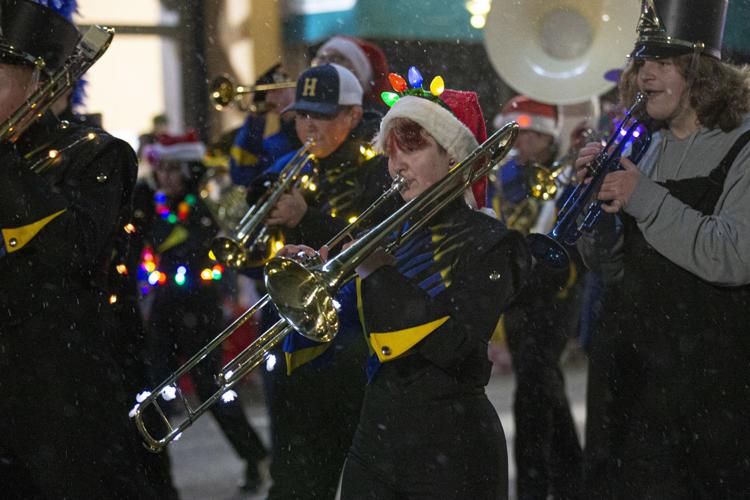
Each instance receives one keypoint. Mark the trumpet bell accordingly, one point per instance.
(302, 299)
(557, 51)
(223, 92)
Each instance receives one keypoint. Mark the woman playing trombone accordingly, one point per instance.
(427, 428)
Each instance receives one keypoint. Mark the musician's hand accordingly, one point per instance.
(289, 210)
(292, 250)
(618, 187)
(585, 156)
(378, 259)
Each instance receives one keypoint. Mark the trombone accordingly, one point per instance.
(232, 250)
(303, 292)
(224, 91)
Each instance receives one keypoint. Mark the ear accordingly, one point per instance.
(355, 116)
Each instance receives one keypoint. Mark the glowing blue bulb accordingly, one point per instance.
(153, 278)
(415, 78)
(160, 197)
(181, 270)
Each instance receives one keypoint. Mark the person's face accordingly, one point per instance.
(279, 99)
(16, 85)
(328, 132)
(532, 146)
(169, 177)
(421, 167)
(665, 88)
(331, 56)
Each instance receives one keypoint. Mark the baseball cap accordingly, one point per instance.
(325, 89)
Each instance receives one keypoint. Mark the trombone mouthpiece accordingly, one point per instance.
(400, 183)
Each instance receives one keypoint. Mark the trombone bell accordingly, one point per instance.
(301, 298)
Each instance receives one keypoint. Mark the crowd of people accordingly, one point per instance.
(109, 282)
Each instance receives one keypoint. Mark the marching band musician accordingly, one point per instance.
(365, 59)
(669, 386)
(427, 429)
(258, 144)
(314, 411)
(185, 285)
(64, 431)
(547, 451)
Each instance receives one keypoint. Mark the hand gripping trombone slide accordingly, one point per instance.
(582, 210)
(303, 292)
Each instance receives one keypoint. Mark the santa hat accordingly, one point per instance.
(368, 60)
(186, 147)
(452, 117)
(529, 114)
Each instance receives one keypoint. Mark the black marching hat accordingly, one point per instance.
(669, 28)
(35, 35)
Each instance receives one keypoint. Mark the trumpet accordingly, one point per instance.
(303, 291)
(582, 210)
(224, 92)
(232, 250)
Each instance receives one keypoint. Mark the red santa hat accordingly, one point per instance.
(368, 61)
(529, 114)
(186, 147)
(456, 123)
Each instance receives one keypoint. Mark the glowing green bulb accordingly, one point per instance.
(389, 98)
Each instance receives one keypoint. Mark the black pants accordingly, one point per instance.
(64, 429)
(640, 441)
(177, 331)
(313, 413)
(547, 451)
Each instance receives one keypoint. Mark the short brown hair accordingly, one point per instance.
(407, 135)
(719, 93)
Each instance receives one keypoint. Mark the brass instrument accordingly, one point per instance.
(89, 49)
(233, 250)
(224, 200)
(225, 92)
(243, 363)
(582, 210)
(556, 51)
(303, 292)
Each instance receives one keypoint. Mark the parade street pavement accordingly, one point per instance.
(205, 467)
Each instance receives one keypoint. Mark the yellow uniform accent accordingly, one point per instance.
(178, 235)
(242, 157)
(298, 358)
(272, 125)
(390, 345)
(17, 237)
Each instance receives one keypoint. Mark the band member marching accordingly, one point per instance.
(427, 427)
(309, 440)
(668, 381)
(64, 191)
